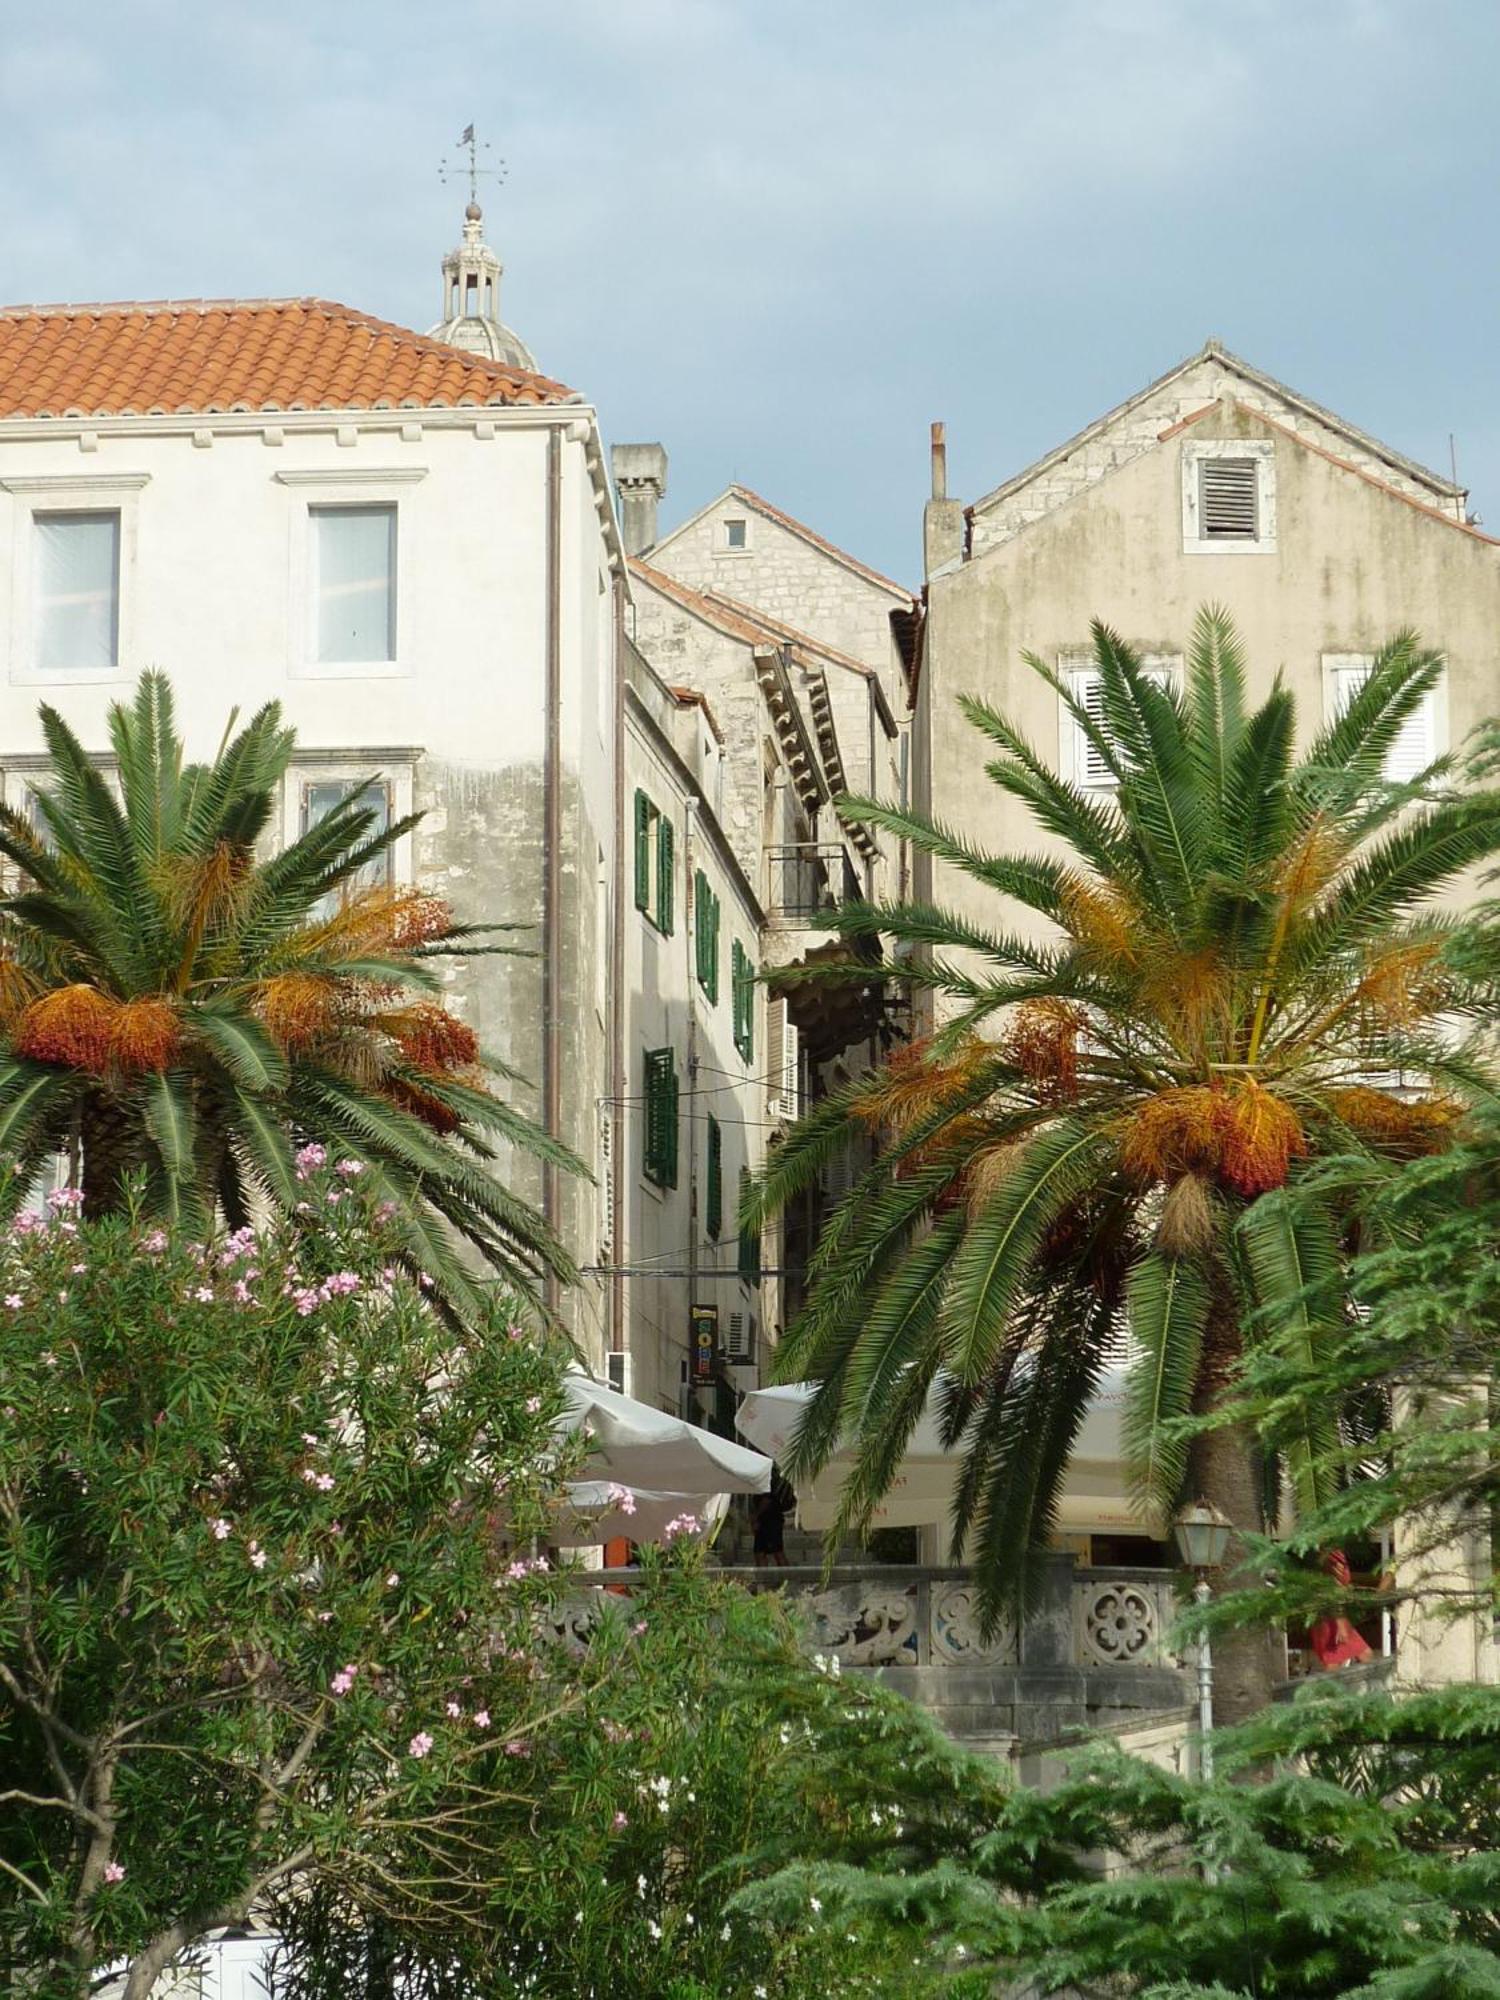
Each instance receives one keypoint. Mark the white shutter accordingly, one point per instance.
(739, 1340)
(1090, 766)
(1415, 746)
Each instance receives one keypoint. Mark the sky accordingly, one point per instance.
(783, 236)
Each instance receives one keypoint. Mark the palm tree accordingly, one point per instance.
(179, 1010)
(1096, 1153)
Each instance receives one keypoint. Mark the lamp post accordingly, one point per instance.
(1203, 1534)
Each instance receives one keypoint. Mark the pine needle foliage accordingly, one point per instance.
(180, 1008)
(1221, 973)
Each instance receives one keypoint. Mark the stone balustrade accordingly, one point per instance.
(1096, 1647)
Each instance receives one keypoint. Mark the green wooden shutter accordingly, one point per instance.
(742, 979)
(660, 1151)
(643, 810)
(749, 1247)
(706, 912)
(713, 1200)
(665, 877)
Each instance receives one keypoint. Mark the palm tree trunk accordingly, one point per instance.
(1224, 1466)
(110, 1150)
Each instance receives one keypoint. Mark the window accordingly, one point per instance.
(1416, 744)
(742, 984)
(76, 618)
(319, 797)
(737, 536)
(354, 584)
(655, 864)
(739, 1340)
(706, 936)
(713, 1191)
(1228, 508)
(1082, 761)
(660, 1161)
(1228, 496)
(749, 1243)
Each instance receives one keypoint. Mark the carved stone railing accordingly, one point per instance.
(917, 1616)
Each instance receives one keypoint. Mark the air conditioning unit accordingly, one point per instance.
(739, 1340)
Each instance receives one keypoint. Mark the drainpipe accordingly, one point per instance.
(618, 1075)
(552, 850)
(690, 941)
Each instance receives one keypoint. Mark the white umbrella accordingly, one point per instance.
(598, 1510)
(1094, 1497)
(633, 1445)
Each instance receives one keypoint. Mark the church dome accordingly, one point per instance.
(471, 301)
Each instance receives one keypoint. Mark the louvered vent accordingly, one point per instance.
(1228, 500)
(739, 1343)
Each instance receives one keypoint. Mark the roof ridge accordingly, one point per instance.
(697, 602)
(786, 520)
(183, 356)
(793, 634)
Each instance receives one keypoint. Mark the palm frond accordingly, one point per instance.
(1167, 1301)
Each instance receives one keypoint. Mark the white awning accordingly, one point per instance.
(652, 1452)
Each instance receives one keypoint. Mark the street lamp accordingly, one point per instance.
(1203, 1537)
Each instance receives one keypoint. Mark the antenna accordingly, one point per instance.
(471, 169)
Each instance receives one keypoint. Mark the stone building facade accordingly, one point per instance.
(225, 467)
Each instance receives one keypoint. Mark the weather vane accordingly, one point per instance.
(472, 169)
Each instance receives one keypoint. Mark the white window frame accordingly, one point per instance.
(397, 768)
(69, 493)
(1263, 452)
(357, 486)
(1076, 670)
(1429, 719)
(722, 543)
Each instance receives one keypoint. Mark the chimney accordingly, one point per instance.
(942, 518)
(640, 473)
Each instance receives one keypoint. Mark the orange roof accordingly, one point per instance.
(201, 356)
(732, 623)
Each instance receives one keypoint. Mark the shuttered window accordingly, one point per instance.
(742, 980)
(749, 1243)
(660, 1160)
(706, 936)
(1228, 499)
(645, 812)
(665, 876)
(713, 1192)
(1416, 744)
(739, 1340)
(1090, 767)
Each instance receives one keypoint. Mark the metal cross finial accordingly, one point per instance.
(471, 169)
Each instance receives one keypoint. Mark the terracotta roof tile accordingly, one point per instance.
(202, 356)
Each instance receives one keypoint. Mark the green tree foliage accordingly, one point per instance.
(1363, 1864)
(1220, 963)
(178, 1004)
(275, 1643)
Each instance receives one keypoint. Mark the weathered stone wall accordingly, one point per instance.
(1079, 465)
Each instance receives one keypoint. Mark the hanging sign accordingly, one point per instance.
(705, 1343)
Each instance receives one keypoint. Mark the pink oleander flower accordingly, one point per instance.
(114, 1871)
(324, 1481)
(515, 1333)
(420, 1744)
(220, 1529)
(61, 1198)
(350, 1169)
(204, 1294)
(257, 1556)
(481, 1718)
(334, 1196)
(638, 1628)
(312, 1156)
(619, 1822)
(77, 1269)
(311, 1441)
(392, 1579)
(384, 1211)
(682, 1524)
(452, 1709)
(243, 1296)
(14, 1301)
(623, 1498)
(306, 1301)
(516, 1748)
(341, 1283)
(155, 1243)
(343, 1680)
(533, 1404)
